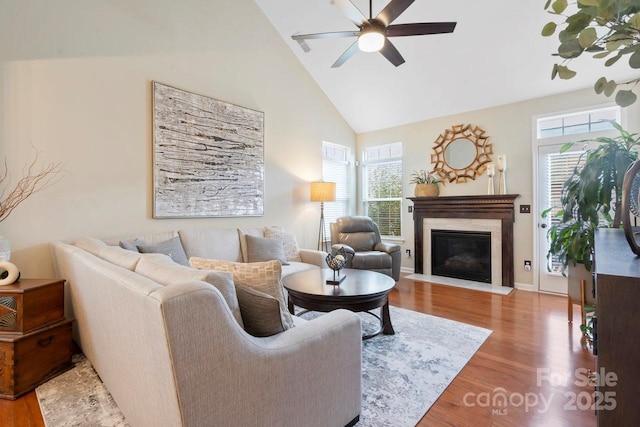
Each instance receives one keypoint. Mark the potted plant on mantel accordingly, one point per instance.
(588, 197)
(426, 183)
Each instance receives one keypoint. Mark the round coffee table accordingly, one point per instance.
(360, 291)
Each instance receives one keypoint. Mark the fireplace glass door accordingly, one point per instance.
(461, 254)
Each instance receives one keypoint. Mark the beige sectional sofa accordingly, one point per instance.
(168, 341)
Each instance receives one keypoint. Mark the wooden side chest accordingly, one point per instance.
(35, 338)
(28, 360)
(29, 304)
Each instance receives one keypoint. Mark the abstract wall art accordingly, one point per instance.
(208, 156)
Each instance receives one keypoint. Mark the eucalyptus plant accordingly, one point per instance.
(605, 28)
(590, 195)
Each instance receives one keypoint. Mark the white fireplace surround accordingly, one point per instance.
(493, 226)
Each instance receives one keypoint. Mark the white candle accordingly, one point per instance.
(491, 169)
(502, 163)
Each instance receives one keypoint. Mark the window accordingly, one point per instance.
(382, 187)
(581, 122)
(335, 168)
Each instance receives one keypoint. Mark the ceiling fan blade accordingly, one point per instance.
(346, 55)
(419, 29)
(303, 44)
(334, 35)
(393, 10)
(390, 52)
(351, 12)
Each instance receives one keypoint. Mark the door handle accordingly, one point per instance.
(543, 225)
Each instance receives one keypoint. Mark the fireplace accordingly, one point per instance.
(493, 214)
(461, 254)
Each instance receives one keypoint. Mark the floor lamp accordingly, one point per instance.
(322, 192)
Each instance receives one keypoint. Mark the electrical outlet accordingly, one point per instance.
(527, 265)
(410, 209)
(408, 252)
(525, 208)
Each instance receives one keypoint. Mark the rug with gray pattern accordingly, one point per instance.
(402, 374)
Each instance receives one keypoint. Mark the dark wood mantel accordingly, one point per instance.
(498, 206)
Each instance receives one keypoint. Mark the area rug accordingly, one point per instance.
(402, 374)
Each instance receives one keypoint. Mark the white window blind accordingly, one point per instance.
(383, 187)
(559, 168)
(335, 168)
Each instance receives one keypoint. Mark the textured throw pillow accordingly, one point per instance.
(260, 312)
(289, 242)
(260, 249)
(261, 276)
(171, 247)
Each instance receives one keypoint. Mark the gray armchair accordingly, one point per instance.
(359, 236)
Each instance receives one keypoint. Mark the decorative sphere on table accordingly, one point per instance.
(336, 262)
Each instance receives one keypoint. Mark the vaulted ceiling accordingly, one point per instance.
(495, 56)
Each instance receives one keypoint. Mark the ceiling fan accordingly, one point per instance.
(373, 33)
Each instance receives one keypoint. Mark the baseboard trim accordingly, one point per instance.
(524, 287)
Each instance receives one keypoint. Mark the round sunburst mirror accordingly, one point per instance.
(461, 153)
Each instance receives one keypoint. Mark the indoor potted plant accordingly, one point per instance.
(588, 198)
(590, 195)
(426, 183)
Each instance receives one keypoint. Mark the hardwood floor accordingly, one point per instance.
(531, 338)
(530, 356)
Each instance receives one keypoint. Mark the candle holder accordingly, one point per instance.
(502, 168)
(491, 171)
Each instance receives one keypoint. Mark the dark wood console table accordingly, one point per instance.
(498, 206)
(617, 273)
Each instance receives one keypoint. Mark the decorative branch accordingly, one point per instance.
(32, 181)
(604, 28)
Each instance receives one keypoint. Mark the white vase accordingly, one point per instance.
(5, 250)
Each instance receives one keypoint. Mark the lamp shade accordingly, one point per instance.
(323, 191)
(371, 40)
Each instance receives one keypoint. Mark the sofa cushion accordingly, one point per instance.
(289, 242)
(171, 247)
(295, 267)
(113, 254)
(212, 244)
(260, 249)
(90, 244)
(260, 312)
(263, 276)
(162, 269)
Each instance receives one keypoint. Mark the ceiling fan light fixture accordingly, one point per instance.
(371, 40)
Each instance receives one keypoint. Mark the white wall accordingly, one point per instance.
(75, 82)
(509, 128)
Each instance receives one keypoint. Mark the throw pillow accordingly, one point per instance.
(262, 276)
(260, 312)
(171, 247)
(260, 249)
(132, 245)
(289, 242)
